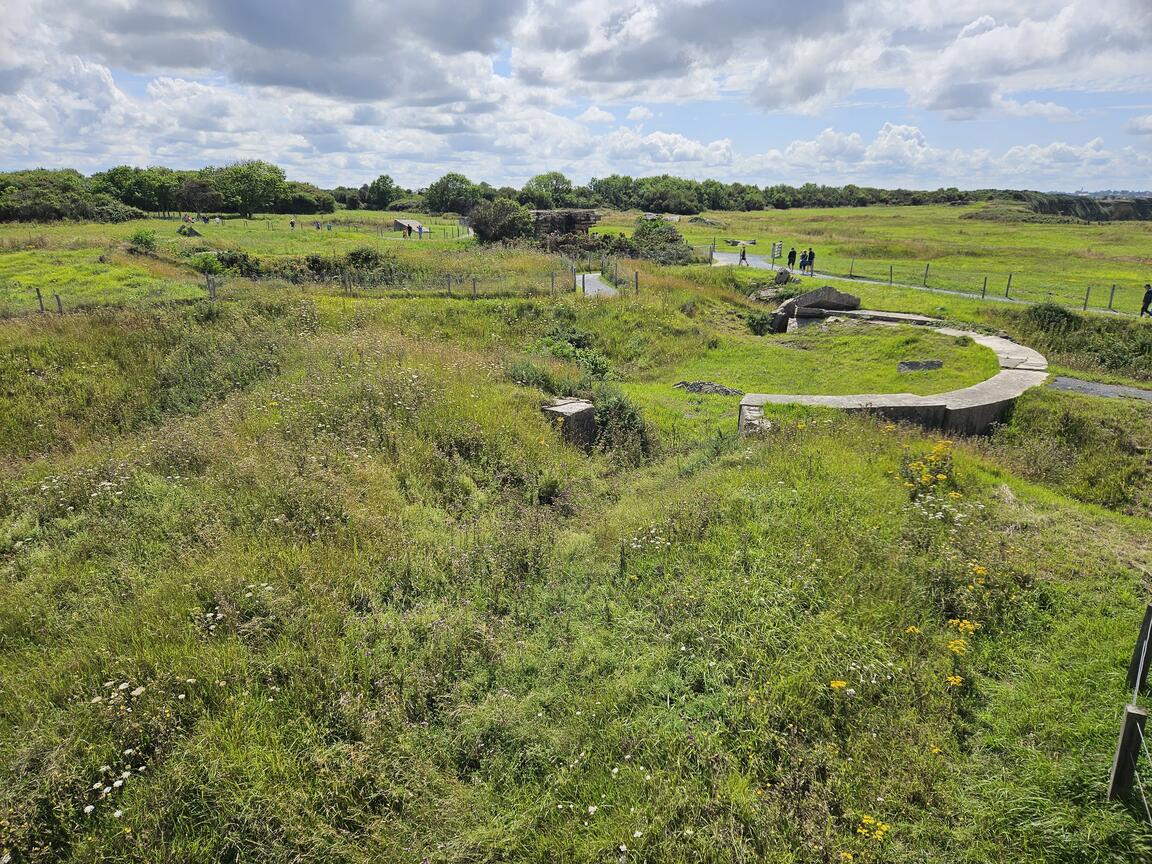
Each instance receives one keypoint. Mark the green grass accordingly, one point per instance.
(1047, 261)
(368, 605)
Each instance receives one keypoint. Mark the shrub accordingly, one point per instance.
(501, 219)
(142, 242)
(759, 323)
(207, 263)
(621, 430)
(1053, 318)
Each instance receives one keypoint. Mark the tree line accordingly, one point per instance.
(244, 188)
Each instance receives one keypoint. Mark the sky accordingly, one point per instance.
(1038, 94)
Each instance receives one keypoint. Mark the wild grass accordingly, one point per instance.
(298, 576)
(1058, 262)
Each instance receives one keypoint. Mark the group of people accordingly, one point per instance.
(189, 219)
(807, 261)
(327, 226)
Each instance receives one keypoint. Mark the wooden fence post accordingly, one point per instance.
(40, 300)
(636, 277)
(1110, 297)
(1138, 667)
(59, 304)
(1127, 751)
(552, 286)
(1086, 293)
(851, 267)
(889, 274)
(473, 287)
(984, 290)
(926, 266)
(583, 283)
(1008, 287)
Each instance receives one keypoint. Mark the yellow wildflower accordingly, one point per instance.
(955, 680)
(912, 630)
(958, 646)
(837, 684)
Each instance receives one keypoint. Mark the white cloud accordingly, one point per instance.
(596, 115)
(1141, 125)
(339, 97)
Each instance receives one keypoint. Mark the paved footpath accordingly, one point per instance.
(594, 286)
(1108, 391)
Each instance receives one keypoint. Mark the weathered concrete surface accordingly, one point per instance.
(968, 411)
(826, 297)
(576, 419)
(890, 317)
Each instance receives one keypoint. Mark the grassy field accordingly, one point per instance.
(1060, 262)
(299, 576)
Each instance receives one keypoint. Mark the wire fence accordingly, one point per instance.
(557, 277)
(1020, 286)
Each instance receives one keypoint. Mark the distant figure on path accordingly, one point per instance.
(811, 262)
(1144, 307)
(292, 224)
(219, 221)
(744, 255)
(803, 261)
(420, 232)
(792, 258)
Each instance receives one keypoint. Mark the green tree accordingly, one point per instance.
(251, 186)
(502, 219)
(453, 193)
(546, 191)
(381, 192)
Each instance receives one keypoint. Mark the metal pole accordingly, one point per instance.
(636, 277)
(552, 286)
(583, 283)
(473, 287)
(1110, 296)
(984, 290)
(889, 274)
(851, 268)
(40, 300)
(1008, 287)
(1086, 293)
(926, 275)
(59, 304)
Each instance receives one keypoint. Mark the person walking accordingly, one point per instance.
(1145, 306)
(811, 262)
(803, 261)
(744, 255)
(792, 258)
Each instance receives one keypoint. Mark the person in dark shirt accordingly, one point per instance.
(811, 262)
(792, 258)
(1144, 307)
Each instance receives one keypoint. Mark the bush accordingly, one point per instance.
(759, 323)
(501, 219)
(621, 431)
(659, 241)
(1053, 318)
(207, 263)
(142, 242)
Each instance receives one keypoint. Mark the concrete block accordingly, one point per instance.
(576, 419)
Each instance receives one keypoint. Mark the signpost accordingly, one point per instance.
(777, 252)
